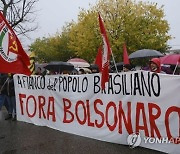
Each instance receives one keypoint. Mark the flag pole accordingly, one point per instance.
(175, 67)
(114, 62)
(100, 21)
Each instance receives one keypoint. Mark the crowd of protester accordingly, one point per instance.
(7, 95)
(7, 91)
(154, 65)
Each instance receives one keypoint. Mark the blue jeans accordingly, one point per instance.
(11, 104)
(13, 101)
(3, 101)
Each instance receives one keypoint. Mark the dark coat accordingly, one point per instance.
(3, 87)
(10, 87)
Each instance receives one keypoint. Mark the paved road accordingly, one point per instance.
(23, 138)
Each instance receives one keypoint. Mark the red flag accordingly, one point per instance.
(125, 55)
(13, 59)
(98, 60)
(106, 52)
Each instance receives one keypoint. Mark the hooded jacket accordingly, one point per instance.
(158, 64)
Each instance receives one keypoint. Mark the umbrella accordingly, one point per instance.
(78, 62)
(59, 66)
(145, 53)
(172, 59)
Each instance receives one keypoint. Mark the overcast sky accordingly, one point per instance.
(53, 14)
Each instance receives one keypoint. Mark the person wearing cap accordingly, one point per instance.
(155, 65)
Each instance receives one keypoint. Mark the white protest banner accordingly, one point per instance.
(141, 102)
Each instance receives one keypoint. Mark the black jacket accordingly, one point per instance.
(3, 87)
(10, 87)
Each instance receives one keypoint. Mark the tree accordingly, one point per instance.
(53, 48)
(43, 49)
(85, 37)
(20, 14)
(138, 24)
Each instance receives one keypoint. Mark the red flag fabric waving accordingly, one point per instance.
(106, 52)
(13, 59)
(125, 55)
(98, 60)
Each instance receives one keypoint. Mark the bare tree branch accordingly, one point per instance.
(20, 14)
(4, 2)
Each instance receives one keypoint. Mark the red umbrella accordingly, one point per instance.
(78, 62)
(173, 59)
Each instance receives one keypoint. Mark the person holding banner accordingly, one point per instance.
(11, 98)
(3, 94)
(127, 67)
(155, 65)
(3, 81)
(38, 71)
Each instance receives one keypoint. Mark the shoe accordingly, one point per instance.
(8, 117)
(14, 118)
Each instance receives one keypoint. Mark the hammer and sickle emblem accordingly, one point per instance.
(13, 45)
